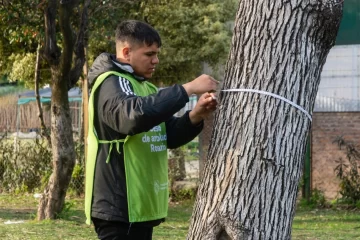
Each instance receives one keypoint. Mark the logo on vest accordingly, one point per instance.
(160, 186)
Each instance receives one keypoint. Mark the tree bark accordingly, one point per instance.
(204, 142)
(177, 171)
(64, 70)
(255, 159)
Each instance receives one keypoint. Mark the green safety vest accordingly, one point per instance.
(145, 158)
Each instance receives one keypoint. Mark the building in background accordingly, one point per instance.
(339, 88)
(337, 107)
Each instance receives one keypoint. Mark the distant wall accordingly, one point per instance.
(326, 127)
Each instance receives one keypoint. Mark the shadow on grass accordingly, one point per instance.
(17, 214)
(77, 216)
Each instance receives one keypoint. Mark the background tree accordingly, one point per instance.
(251, 176)
(193, 32)
(66, 65)
(62, 38)
(67, 21)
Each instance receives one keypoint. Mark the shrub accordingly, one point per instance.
(347, 171)
(27, 166)
(23, 165)
(317, 200)
(183, 194)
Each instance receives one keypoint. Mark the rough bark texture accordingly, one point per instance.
(255, 159)
(66, 67)
(204, 142)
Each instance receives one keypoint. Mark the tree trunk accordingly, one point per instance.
(63, 154)
(255, 159)
(65, 72)
(204, 141)
(177, 171)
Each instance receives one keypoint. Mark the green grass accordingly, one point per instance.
(177, 223)
(326, 224)
(313, 224)
(16, 208)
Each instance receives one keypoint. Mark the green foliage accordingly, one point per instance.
(66, 211)
(20, 31)
(21, 21)
(192, 33)
(77, 184)
(26, 167)
(21, 25)
(183, 194)
(22, 67)
(348, 171)
(191, 150)
(102, 26)
(193, 145)
(317, 200)
(23, 166)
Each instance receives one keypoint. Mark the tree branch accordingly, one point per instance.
(44, 132)
(52, 52)
(65, 14)
(80, 45)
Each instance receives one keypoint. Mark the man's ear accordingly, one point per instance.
(126, 53)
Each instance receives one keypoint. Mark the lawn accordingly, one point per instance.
(314, 224)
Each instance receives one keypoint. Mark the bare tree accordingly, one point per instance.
(255, 158)
(66, 65)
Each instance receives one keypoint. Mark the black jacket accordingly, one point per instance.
(118, 113)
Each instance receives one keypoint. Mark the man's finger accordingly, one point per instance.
(214, 79)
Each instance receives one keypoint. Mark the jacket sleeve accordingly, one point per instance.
(128, 114)
(180, 130)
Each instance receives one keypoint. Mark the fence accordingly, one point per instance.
(24, 118)
(332, 104)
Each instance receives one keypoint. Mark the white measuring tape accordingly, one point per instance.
(272, 95)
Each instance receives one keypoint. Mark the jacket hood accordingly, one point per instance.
(107, 62)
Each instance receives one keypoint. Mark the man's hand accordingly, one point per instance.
(206, 104)
(200, 85)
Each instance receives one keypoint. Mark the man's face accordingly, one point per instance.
(143, 59)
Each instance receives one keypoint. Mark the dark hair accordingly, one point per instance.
(137, 32)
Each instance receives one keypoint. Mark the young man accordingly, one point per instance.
(131, 125)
